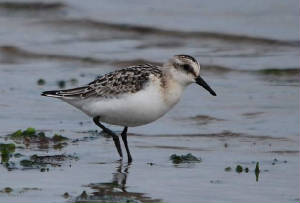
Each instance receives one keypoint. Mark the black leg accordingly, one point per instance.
(108, 131)
(124, 138)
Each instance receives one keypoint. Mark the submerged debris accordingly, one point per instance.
(41, 82)
(240, 169)
(40, 162)
(26, 163)
(59, 138)
(66, 195)
(18, 155)
(26, 189)
(204, 119)
(61, 83)
(60, 145)
(73, 81)
(215, 181)
(252, 114)
(257, 171)
(16, 191)
(92, 135)
(6, 190)
(177, 159)
(279, 72)
(83, 195)
(36, 6)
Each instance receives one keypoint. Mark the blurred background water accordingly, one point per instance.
(248, 51)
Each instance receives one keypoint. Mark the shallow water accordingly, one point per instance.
(249, 54)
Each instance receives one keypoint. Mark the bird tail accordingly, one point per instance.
(52, 93)
(70, 93)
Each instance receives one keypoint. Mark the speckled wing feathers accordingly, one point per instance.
(128, 80)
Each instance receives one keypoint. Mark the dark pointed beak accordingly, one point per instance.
(202, 83)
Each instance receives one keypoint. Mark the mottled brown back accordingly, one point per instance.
(127, 80)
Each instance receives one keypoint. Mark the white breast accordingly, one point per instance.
(132, 109)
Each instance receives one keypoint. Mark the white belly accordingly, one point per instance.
(129, 110)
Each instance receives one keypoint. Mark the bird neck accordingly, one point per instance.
(172, 92)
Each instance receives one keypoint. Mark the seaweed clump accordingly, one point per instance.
(28, 133)
(188, 158)
(31, 136)
(41, 162)
(6, 151)
(59, 138)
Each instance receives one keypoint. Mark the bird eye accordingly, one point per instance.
(186, 67)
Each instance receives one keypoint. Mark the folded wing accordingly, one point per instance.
(128, 80)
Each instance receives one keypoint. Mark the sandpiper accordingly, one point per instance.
(135, 95)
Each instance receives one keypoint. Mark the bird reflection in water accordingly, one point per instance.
(120, 177)
(116, 190)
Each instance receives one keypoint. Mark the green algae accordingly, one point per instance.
(239, 169)
(27, 163)
(257, 171)
(61, 83)
(28, 133)
(32, 136)
(59, 138)
(41, 82)
(6, 151)
(177, 159)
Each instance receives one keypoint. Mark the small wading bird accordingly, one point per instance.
(134, 96)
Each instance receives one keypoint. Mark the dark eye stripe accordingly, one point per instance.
(187, 68)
